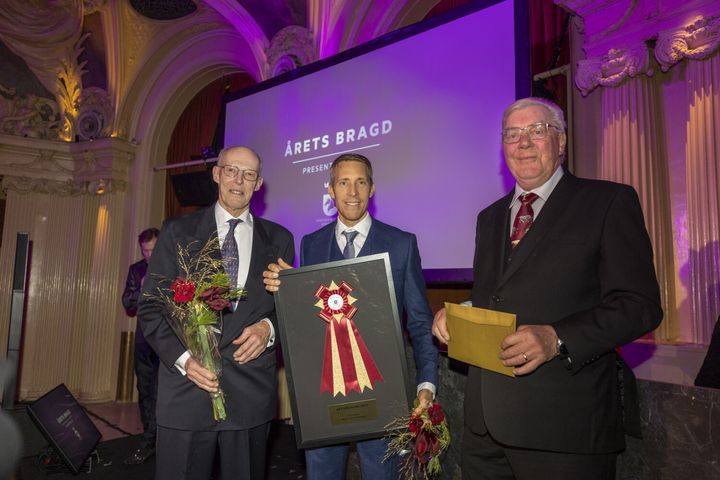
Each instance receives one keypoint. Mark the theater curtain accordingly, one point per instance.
(633, 152)
(196, 129)
(703, 198)
(549, 49)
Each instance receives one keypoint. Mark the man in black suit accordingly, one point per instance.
(581, 282)
(188, 437)
(145, 359)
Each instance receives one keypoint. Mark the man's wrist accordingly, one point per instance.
(563, 353)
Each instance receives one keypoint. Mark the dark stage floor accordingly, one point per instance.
(285, 462)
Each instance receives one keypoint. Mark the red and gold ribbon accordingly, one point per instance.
(347, 363)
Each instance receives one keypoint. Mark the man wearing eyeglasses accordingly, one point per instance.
(188, 438)
(572, 259)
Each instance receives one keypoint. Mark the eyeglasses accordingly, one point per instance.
(231, 171)
(535, 131)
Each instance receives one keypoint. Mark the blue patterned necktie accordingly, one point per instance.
(349, 250)
(230, 253)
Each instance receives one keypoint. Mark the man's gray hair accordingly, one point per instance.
(556, 117)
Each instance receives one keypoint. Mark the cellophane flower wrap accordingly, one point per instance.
(419, 441)
(194, 302)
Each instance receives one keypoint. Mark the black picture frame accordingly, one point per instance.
(330, 417)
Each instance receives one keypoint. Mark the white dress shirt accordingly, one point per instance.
(362, 228)
(244, 239)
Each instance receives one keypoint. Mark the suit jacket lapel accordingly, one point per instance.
(205, 230)
(551, 211)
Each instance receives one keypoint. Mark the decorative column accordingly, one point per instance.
(70, 198)
(699, 42)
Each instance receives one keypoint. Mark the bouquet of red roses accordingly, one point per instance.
(194, 302)
(419, 441)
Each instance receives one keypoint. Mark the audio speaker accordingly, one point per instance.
(197, 189)
(17, 315)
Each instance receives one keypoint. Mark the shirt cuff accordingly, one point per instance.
(467, 303)
(271, 340)
(181, 361)
(427, 386)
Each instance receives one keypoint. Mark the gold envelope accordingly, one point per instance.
(476, 335)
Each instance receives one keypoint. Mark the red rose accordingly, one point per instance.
(436, 414)
(422, 444)
(434, 443)
(212, 296)
(416, 424)
(184, 290)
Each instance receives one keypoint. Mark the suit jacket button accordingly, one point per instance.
(495, 299)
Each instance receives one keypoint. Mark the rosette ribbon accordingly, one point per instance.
(347, 363)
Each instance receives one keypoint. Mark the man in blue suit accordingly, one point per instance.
(356, 233)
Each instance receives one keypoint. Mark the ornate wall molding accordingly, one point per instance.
(612, 69)
(683, 29)
(95, 114)
(697, 40)
(61, 168)
(290, 48)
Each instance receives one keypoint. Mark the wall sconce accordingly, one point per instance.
(100, 187)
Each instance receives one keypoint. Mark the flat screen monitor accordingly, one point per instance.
(424, 104)
(65, 425)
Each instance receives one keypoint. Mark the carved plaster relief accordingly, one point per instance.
(290, 48)
(28, 165)
(696, 41)
(611, 69)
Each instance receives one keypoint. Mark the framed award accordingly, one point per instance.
(343, 350)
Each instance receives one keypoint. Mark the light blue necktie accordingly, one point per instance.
(349, 250)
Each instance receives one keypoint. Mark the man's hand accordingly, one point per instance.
(425, 398)
(201, 376)
(270, 276)
(439, 327)
(528, 348)
(252, 342)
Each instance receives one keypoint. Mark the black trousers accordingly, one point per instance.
(190, 455)
(146, 372)
(483, 458)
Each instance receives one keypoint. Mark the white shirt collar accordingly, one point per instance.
(222, 216)
(544, 190)
(362, 227)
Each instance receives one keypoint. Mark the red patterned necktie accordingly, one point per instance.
(524, 218)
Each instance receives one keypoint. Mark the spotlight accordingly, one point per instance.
(100, 187)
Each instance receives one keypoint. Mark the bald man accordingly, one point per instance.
(188, 438)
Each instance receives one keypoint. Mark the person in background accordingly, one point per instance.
(356, 233)
(571, 258)
(145, 359)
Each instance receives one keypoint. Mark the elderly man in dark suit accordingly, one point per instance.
(356, 233)
(572, 259)
(145, 360)
(188, 437)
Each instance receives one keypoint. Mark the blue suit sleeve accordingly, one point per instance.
(419, 317)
